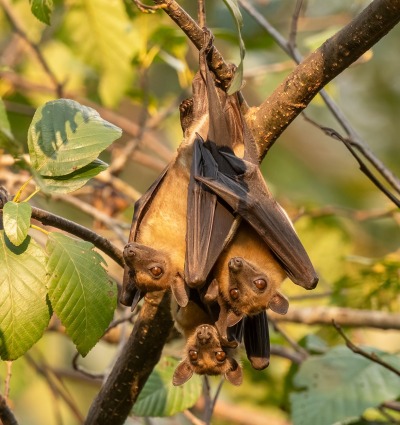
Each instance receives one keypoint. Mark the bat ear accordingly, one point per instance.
(235, 375)
(182, 373)
(279, 303)
(212, 292)
(178, 288)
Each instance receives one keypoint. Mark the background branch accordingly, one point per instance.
(341, 315)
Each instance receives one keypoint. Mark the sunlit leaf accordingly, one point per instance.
(80, 291)
(160, 398)
(106, 39)
(65, 136)
(73, 181)
(17, 220)
(24, 311)
(42, 10)
(340, 385)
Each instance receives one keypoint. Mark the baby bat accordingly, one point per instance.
(206, 352)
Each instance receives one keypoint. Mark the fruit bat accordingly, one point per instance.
(206, 352)
(246, 286)
(178, 228)
(187, 225)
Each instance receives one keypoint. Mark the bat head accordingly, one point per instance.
(151, 270)
(249, 290)
(207, 353)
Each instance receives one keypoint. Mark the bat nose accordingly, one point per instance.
(129, 250)
(235, 264)
(204, 334)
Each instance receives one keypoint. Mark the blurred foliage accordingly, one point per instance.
(110, 55)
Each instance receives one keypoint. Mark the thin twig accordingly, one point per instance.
(284, 352)
(357, 350)
(192, 418)
(302, 351)
(7, 381)
(293, 27)
(318, 315)
(363, 167)
(146, 8)
(201, 13)
(83, 371)
(216, 395)
(17, 27)
(54, 386)
(82, 232)
(110, 222)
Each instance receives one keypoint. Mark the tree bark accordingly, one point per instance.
(135, 363)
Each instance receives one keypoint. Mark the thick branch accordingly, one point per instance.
(82, 232)
(342, 316)
(333, 57)
(6, 415)
(138, 358)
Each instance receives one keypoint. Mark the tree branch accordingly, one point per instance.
(6, 415)
(272, 117)
(137, 360)
(341, 315)
(82, 232)
(370, 356)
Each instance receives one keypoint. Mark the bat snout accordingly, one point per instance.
(235, 264)
(129, 251)
(204, 334)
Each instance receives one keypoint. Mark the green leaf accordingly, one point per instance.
(160, 398)
(42, 10)
(65, 136)
(106, 39)
(73, 181)
(340, 385)
(17, 220)
(79, 290)
(24, 311)
(236, 83)
(7, 140)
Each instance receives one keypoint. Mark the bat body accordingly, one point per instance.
(206, 352)
(178, 222)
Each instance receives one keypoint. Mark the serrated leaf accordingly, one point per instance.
(236, 83)
(70, 182)
(24, 311)
(16, 221)
(7, 140)
(160, 398)
(42, 10)
(79, 290)
(65, 136)
(341, 385)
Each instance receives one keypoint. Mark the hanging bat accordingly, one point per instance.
(206, 352)
(246, 286)
(173, 241)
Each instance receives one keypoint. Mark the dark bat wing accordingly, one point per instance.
(248, 199)
(256, 340)
(130, 295)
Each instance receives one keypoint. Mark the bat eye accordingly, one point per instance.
(156, 271)
(220, 356)
(260, 284)
(193, 355)
(234, 293)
